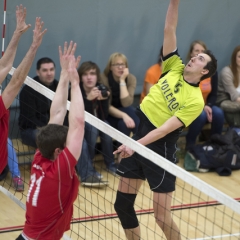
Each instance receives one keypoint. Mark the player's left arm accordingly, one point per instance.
(170, 125)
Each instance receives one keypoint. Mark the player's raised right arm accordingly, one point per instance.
(170, 40)
(76, 112)
(6, 61)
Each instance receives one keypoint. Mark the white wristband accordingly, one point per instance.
(122, 84)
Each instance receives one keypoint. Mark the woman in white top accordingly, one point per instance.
(229, 89)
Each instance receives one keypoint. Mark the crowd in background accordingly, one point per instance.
(110, 95)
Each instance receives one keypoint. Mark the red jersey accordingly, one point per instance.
(53, 189)
(4, 121)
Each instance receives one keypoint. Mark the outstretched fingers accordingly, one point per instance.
(60, 51)
(73, 48)
(38, 24)
(21, 13)
(78, 59)
(66, 53)
(65, 47)
(37, 32)
(69, 49)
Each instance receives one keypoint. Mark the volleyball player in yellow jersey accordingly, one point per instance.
(173, 103)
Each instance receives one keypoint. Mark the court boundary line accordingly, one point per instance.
(139, 212)
(217, 237)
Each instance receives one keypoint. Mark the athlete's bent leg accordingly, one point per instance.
(162, 214)
(124, 206)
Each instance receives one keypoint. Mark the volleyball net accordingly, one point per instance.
(199, 210)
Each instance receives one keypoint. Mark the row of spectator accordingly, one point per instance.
(109, 96)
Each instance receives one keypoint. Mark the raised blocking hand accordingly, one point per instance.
(38, 33)
(21, 13)
(66, 54)
(72, 71)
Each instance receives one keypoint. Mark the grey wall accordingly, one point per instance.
(133, 27)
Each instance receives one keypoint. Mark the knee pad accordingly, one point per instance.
(125, 210)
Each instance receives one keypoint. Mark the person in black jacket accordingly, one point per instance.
(211, 113)
(35, 107)
(96, 102)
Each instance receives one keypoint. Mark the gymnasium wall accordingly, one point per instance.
(133, 27)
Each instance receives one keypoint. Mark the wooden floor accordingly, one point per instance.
(197, 216)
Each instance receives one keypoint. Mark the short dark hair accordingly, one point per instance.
(50, 137)
(44, 60)
(211, 66)
(86, 66)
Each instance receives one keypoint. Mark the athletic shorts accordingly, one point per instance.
(138, 167)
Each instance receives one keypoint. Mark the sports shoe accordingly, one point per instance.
(18, 184)
(98, 175)
(94, 181)
(112, 168)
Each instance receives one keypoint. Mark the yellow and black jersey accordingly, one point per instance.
(172, 95)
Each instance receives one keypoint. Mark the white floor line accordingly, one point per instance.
(217, 237)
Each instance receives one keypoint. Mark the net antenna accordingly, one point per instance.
(4, 25)
(3, 32)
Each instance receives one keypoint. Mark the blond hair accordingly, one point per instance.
(111, 61)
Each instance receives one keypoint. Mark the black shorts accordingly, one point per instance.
(138, 167)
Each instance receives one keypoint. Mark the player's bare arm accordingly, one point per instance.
(21, 72)
(6, 61)
(170, 40)
(59, 108)
(170, 125)
(76, 112)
